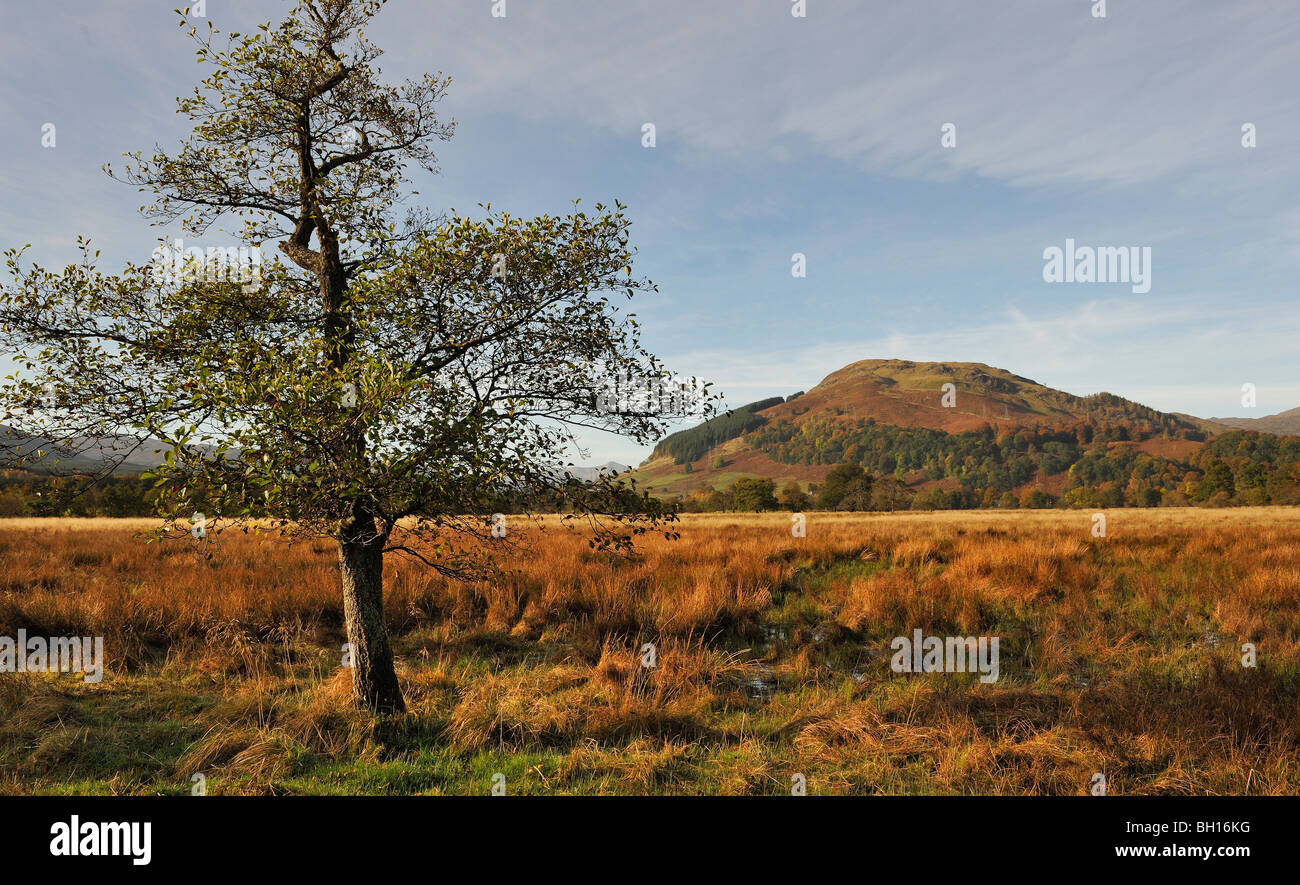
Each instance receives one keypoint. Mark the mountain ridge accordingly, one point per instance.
(1283, 423)
(779, 438)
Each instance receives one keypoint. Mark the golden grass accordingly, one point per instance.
(1119, 654)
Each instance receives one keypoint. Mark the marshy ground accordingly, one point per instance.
(1118, 655)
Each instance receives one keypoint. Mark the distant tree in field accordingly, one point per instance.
(1219, 499)
(857, 494)
(793, 497)
(889, 493)
(388, 383)
(1038, 499)
(1174, 498)
(716, 500)
(846, 487)
(754, 495)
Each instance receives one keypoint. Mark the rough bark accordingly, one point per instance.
(374, 679)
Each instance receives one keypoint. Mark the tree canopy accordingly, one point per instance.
(385, 382)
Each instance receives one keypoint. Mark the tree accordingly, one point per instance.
(793, 497)
(754, 494)
(846, 487)
(890, 493)
(1037, 499)
(1218, 479)
(382, 386)
(1283, 485)
(716, 500)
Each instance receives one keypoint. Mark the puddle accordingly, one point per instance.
(773, 636)
(761, 686)
(777, 634)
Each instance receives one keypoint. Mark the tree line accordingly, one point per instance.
(880, 467)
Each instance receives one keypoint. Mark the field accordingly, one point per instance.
(1119, 655)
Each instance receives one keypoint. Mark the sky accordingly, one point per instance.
(776, 134)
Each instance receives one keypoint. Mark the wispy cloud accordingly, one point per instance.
(1041, 93)
(819, 135)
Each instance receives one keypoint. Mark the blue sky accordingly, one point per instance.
(818, 135)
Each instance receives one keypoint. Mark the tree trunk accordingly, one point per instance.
(374, 680)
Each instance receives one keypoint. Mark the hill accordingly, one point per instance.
(610, 468)
(912, 394)
(990, 434)
(1284, 423)
(40, 456)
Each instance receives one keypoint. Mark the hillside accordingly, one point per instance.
(994, 433)
(992, 439)
(911, 394)
(40, 456)
(1285, 423)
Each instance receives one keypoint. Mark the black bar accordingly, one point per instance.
(329, 835)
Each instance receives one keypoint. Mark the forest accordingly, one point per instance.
(1102, 465)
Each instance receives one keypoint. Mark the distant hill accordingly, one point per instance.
(994, 431)
(911, 394)
(931, 434)
(1285, 423)
(589, 473)
(89, 457)
(43, 457)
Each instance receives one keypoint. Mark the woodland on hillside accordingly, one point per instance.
(1084, 465)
